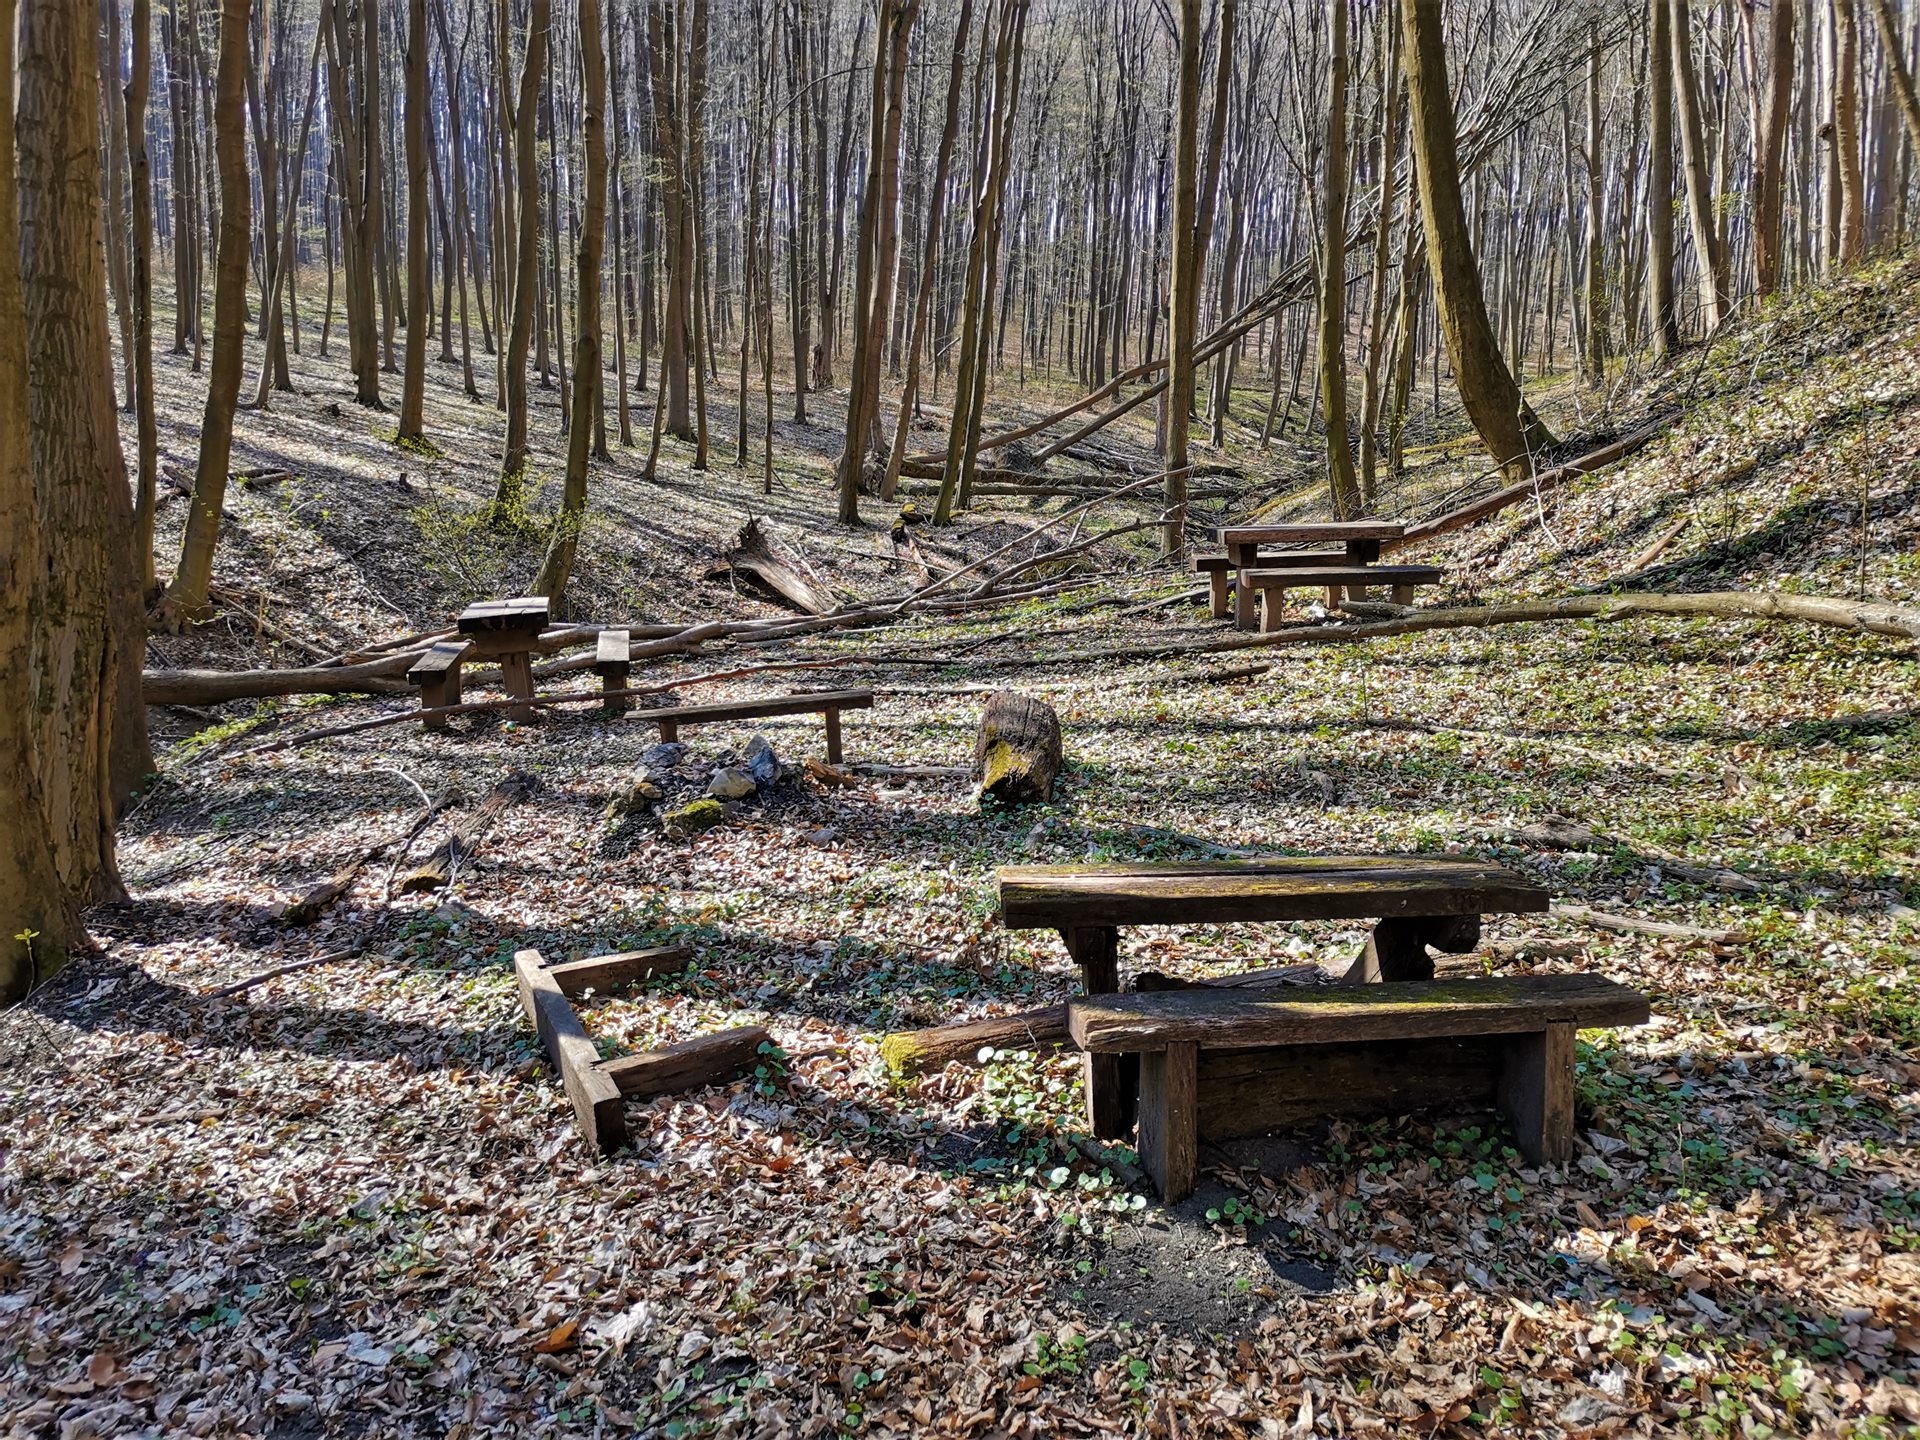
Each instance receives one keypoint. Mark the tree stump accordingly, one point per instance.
(1019, 752)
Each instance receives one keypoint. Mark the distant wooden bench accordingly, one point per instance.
(1418, 901)
(1272, 584)
(826, 703)
(1221, 571)
(1219, 1063)
(437, 675)
(611, 664)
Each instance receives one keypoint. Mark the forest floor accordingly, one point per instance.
(352, 1201)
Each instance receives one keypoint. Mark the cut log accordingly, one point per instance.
(1663, 929)
(438, 869)
(1019, 753)
(752, 558)
(703, 1060)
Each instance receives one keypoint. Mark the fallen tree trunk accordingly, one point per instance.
(753, 558)
(1538, 484)
(439, 868)
(1861, 616)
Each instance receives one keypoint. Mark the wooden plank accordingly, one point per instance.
(1312, 532)
(1536, 1093)
(1221, 1020)
(1304, 577)
(604, 972)
(518, 613)
(688, 1065)
(1059, 897)
(444, 657)
(1169, 1119)
(596, 1098)
(798, 704)
(611, 647)
(1249, 1092)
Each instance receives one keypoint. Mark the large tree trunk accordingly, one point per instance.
(507, 495)
(413, 381)
(1770, 102)
(879, 237)
(186, 595)
(1342, 485)
(557, 568)
(1506, 425)
(33, 942)
(90, 741)
(1846, 132)
(1184, 303)
(1662, 316)
(1716, 300)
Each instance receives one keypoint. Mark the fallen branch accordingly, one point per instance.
(440, 868)
(1634, 925)
(309, 963)
(1868, 617)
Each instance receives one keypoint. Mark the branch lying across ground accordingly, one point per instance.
(1862, 616)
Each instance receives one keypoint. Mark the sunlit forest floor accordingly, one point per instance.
(351, 1201)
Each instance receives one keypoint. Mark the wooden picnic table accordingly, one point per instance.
(505, 631)
(1360, 542)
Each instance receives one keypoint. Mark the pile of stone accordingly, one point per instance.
(690, 793)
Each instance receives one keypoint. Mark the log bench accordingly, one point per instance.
(1418, 902)
(826, 703)
(1272, 584)
(1215, 1064)
(611, 664)
(436, 674)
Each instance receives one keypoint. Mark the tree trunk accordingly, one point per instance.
(186, 595)
(1899, 73)
(1342, 485)
(1184, 291)
(557, 568)
(90, 741)
(39, 927)
(1662, 316)
(145, 420)
(418, 97)
(1715, 296)
(1018, 754)
(508, 494)
(1599, 342)
(1506, 425)
(1846, 132)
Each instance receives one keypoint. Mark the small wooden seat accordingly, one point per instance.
(826, 703)
(437, 674)
(1272, 584)
(611, 665)
(1219, 1063)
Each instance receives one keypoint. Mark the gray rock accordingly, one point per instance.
(664, 756)
(731, 783)
(762, 764)
(634, 796)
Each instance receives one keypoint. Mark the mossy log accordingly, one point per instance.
(1019, 750)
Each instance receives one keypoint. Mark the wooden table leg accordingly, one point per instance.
(833, 736)
(1242, 557)
(1536, 1093)
(1111, 1080)
(1170, 1119)
(1397, 948)
(1218, 582)
(1273, 609)
(516, 669)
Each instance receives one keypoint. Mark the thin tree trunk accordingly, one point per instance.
(1342, 484)
(1846, 133)
(146, 424)
(508, 495)
(413, 383)
(1715, 295)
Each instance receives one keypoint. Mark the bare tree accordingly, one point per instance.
(417, 100)
(1342, 485)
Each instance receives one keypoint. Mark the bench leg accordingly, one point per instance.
(517, 670)
(1335, 594)
(610, 681)
(832, 718)
(1243, 602)
(1403, 595)
(1397, 948)
(1170, 1119)
(1273, 610)
(669, 732)
(1111, 1080)
(1536, 1093)
(1217, 583)
(433, 694)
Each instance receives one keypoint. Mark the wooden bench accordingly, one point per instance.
(611, 664)
(1361, 542)
(1272, 584)
(1215, 1064)
(1418, 901)
(437, 675)
(1221, 571)
(826, 703)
